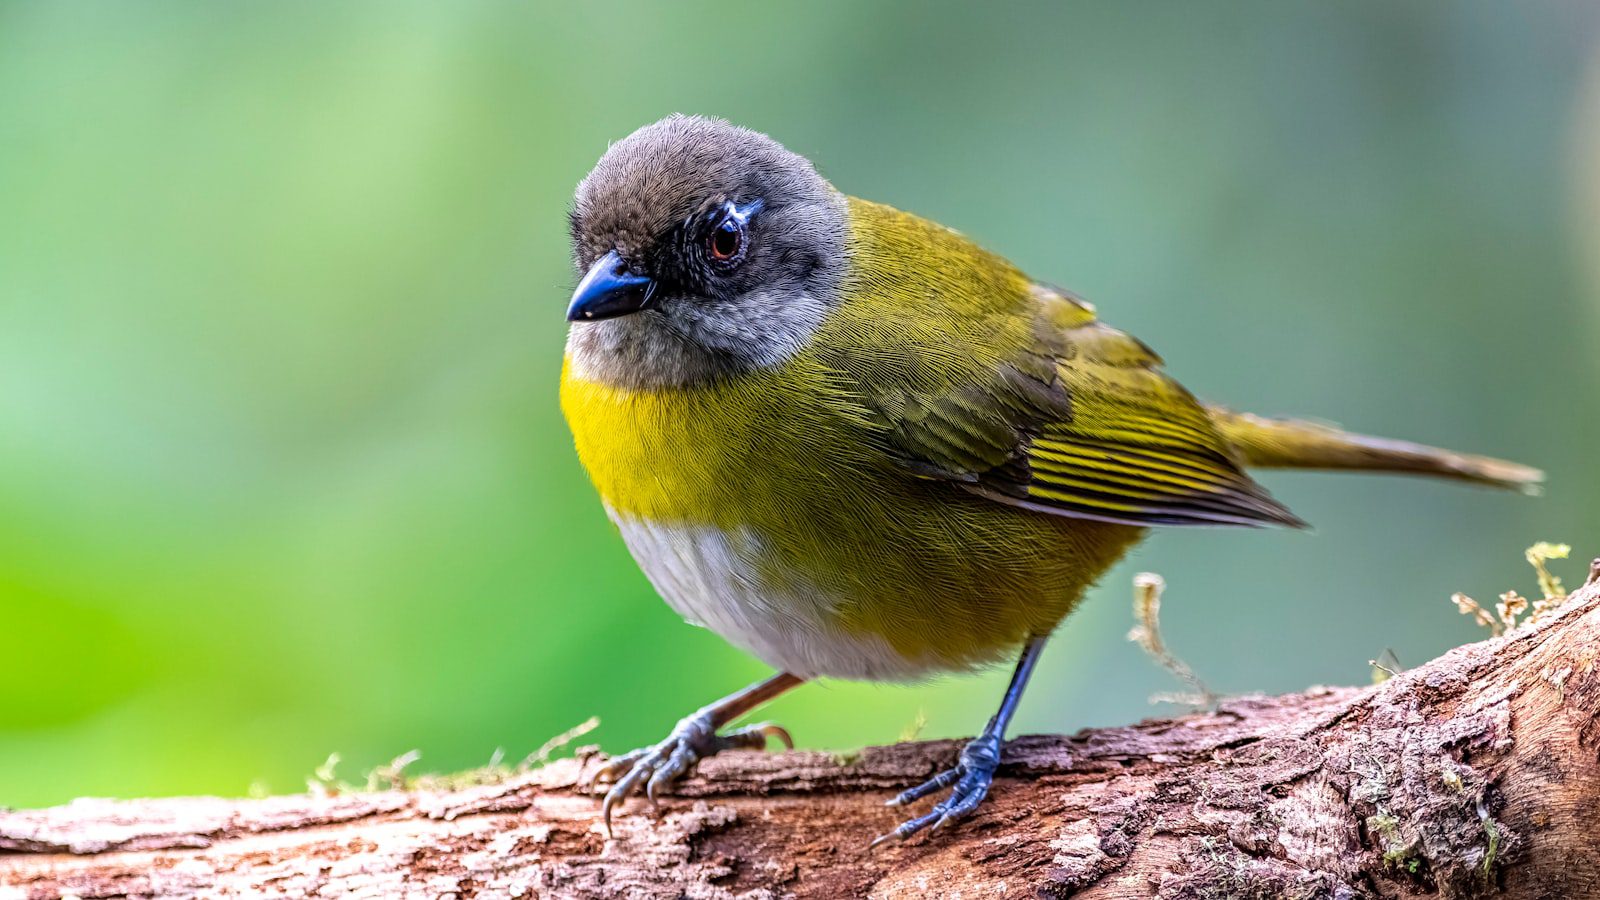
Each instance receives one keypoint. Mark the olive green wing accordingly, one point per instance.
(1135, 447)
(1082, 423)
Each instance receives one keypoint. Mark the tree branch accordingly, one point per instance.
(1474, 775)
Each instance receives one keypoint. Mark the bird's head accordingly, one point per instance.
(703, 250)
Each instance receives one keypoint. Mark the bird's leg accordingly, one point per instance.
(694, 738)
(975, 769)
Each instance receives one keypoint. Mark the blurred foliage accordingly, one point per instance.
(281, 467)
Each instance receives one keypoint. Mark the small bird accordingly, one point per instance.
(857, 445)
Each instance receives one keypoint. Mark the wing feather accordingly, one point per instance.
(1137, 448)
(1101, 434)
(974, 374)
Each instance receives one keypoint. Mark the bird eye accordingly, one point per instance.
(727, 240)
(729, 236)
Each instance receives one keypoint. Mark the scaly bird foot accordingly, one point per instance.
(694, 739)
(972, 776)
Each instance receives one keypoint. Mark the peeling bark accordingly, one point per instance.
(1476, 775)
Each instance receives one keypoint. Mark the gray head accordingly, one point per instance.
(706, 250)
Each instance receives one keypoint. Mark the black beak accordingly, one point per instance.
(608, 290)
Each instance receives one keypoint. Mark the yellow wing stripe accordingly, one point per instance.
(1178, 464)
(1153, 480)
(1068, 459)
(1233, 500)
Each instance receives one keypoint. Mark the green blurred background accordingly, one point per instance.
(281, 288)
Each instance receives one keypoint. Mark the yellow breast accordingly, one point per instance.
(715, 454)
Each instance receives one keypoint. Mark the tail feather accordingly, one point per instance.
(1297, 444)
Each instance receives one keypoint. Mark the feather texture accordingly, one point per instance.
(1030, 401)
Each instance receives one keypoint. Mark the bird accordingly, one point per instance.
(857, 445)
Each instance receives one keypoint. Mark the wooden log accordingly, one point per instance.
(1475, 775)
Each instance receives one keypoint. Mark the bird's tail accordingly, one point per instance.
(1298, 444)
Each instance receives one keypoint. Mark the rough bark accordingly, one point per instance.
(1475, 775)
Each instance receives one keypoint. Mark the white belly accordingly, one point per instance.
(709, 576)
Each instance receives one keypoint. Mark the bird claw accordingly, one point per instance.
(972, 776)
(657, 767)
(770, 730)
